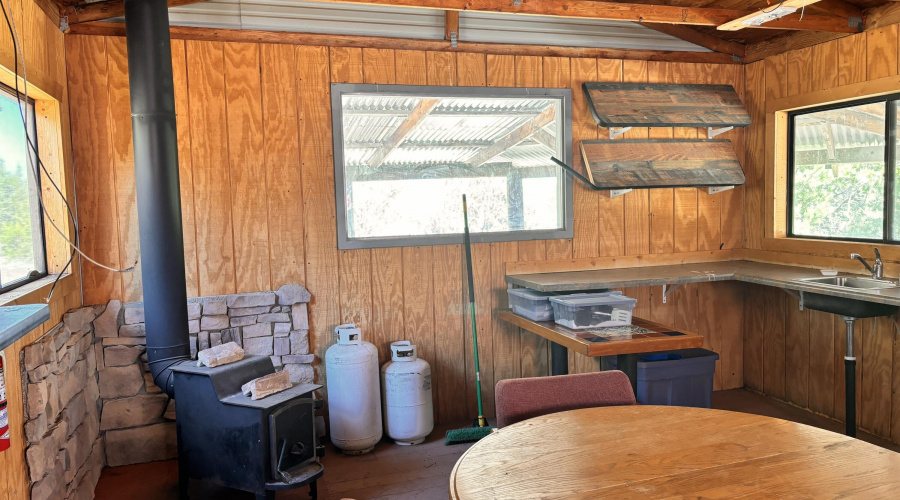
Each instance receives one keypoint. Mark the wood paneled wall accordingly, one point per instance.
(255, 147)
(44, 54)
(793, 355)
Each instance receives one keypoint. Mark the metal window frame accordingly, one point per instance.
(338, 90)
(40, 239)
(890, 167)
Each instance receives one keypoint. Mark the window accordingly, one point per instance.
(405, 155)
(842, 171)
(22, 257)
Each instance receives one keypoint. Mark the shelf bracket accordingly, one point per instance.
(712, 131)
(617, 131)
(719, 189)
(797, 295)
(667, 291)
(614, 193)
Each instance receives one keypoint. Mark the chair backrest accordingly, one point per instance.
(523, 398)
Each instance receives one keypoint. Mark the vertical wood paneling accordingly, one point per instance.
(776, 77)
(611, 214)
(209, 163)
(316, 164)
(825, 66)
(821, 362)
(773, 336)
(754, 337)
(123, 164)
(852, 59)
(877, 358)
(94, 175)
(796, 352)
(585, 205)
(249, 211)
(881, 52)
(281, 134)
(799, 71)
(185, 173)
(754, 188)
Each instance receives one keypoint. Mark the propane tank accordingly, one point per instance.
(406, 389)
(354, 408)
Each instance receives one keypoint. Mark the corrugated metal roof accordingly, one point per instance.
(443, 136)
(370, 20)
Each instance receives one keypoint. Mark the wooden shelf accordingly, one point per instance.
(658, 163)
(588, 343)
(665, 105)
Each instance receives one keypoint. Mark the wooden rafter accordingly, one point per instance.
(691, 35)
(514, 137)
(97, 11)
(406, 127)
(544, 137)
(839, 8)
(739, 23)
(451, 24)
(579, 9)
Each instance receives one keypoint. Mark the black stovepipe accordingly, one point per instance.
(157, 186)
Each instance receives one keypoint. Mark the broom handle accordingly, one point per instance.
(468, 245)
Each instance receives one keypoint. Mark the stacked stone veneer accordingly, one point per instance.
(62, 410)
(91, 399)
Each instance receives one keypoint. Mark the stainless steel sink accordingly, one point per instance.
(853, 308)
(852, 282)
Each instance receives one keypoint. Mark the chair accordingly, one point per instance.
(523, 398)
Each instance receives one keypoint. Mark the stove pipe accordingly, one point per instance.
(158, 192)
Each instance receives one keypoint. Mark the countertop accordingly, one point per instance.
(16, 321)
(776, 275)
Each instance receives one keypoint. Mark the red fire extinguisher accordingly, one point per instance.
(4, 419)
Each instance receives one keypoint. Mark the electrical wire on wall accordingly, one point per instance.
(34, 159)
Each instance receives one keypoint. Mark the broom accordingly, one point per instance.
(480, 426)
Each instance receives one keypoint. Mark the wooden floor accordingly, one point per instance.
(400, 472)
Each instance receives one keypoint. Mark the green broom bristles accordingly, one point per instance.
(467, 435)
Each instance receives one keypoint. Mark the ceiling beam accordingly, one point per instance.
(514, 137)
(839, 8)
(406, 127)
(742, 22)
(97, 11)
(451, 24)
(579, 9)
(691, 35)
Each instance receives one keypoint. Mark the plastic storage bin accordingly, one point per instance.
(532, 304)
(684, 381)
(593, 310)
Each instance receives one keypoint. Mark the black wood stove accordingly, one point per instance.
(227, 439)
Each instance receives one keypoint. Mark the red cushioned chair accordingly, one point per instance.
(523, 398)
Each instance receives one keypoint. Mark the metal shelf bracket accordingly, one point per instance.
(667, 289)
(719, 189)
(797, 295)
(712, 132)
(617, 131)
(613, 193)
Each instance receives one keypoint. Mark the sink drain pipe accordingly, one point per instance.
(850, 381)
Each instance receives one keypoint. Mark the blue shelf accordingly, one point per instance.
(16, 321)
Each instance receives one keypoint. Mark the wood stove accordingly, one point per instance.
(227, 439)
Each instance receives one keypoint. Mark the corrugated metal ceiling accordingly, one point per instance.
(346, 19)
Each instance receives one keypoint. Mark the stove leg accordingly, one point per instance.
(850, 381)
(313, 490)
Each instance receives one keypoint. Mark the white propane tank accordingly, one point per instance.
(354, 408)
(406, 386)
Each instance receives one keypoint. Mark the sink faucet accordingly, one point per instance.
(877, 270)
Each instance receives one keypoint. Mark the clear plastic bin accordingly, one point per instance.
(592, 310)
(532, 304)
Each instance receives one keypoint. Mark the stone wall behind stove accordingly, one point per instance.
(91, 394)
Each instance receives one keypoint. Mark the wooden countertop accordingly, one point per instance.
(780, 276)
(671, 452)
(587, 341)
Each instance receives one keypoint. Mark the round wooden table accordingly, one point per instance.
(667, 451)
